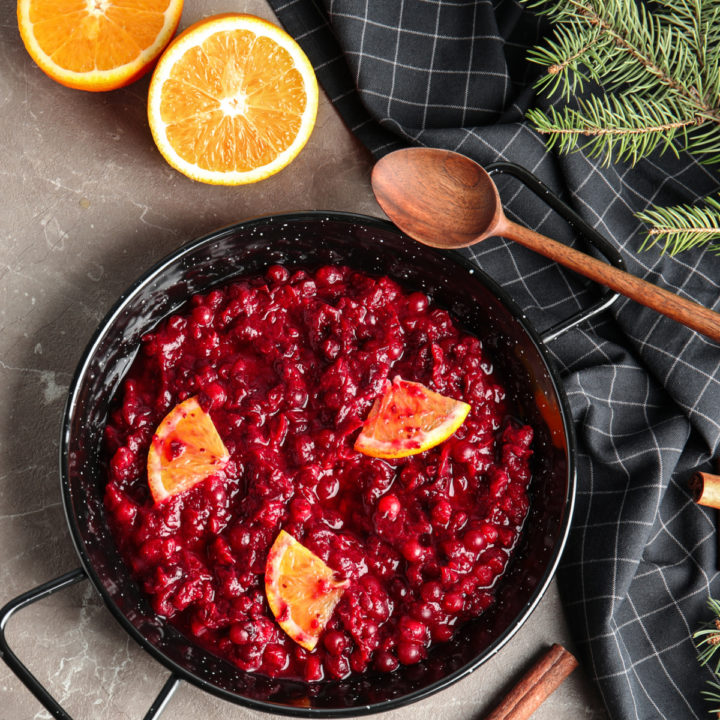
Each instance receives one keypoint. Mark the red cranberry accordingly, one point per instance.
(389, 506)
(442, 512)
(441, 632)
(313, 669)
(331, 348)
(484, 575)
(417, 303)
(497, 562)
(459, 520)
(409, 653)
(394, 350)
(399, 589)
(474, 540)
(463, 451)
(337, 666)
(453, 603)
(412, 550)
(423, 611)
(328, 488)
(304, 449)
(125, 512)
(412, 630)
(300, 510)
(336, 642)
(122, 461)
(359, 660)
(410, 477)
(432, 592)
(499, 483)
(202, 315)
(328, 276)
(297, 398)
(386, 662)
(240, 633)
(506, 536)
(448, 576)
(152, 550)
(216, 394)
(276, 657)
(277, 274)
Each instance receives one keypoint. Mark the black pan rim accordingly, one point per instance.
(268, 706)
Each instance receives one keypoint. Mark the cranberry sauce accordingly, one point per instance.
(288, 366)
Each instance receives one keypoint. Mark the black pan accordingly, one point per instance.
(307, 241)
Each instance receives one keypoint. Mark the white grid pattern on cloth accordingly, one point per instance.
(644, 392)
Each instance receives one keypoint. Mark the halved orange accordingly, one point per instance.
(185, 450)
(301, 589)
(97, 44)
(407, 419)
(232, 100)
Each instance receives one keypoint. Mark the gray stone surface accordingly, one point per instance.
(87, 205)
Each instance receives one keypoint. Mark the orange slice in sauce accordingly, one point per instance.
(301, 589)
(185, 450)
(409, 419)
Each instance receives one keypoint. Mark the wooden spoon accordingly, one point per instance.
(446, 200)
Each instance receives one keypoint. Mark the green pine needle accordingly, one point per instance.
(713, 696)
(567, 78)
(658, 74)
(615, 126)
(650, 82)
(707, 641)
(682, 227)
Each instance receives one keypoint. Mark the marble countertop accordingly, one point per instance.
(88, 205)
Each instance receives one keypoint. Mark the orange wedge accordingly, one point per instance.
(232, 100)
(301, 590)
(409, 419)
(97, 44)
(185, 450)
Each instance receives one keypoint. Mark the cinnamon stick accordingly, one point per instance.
(538, 683)
(705, 488)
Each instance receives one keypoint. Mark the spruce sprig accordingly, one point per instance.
(681, 227)
(707, 641)
(649, 80)
(657, 74)
(626, 128)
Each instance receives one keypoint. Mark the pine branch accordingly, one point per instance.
(707, 641)
(655, 86)
(679, 228)
(616, 127)
(705, 140)
(566, 77)
(713, 696)
(667, 62)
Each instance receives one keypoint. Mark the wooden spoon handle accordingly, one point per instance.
(683, 311)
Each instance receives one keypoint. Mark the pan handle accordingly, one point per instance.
(585, 232)
(29, 680)
(574, 320)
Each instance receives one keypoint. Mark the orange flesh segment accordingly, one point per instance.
(268, 113)
(409, 419)
(233, 100)
(301, 590)
(96, 44)
(185, 450)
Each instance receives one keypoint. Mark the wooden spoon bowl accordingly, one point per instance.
(446, 200)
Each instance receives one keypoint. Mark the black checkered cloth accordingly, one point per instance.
(645, 392)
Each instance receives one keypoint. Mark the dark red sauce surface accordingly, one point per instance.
(288, 366)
